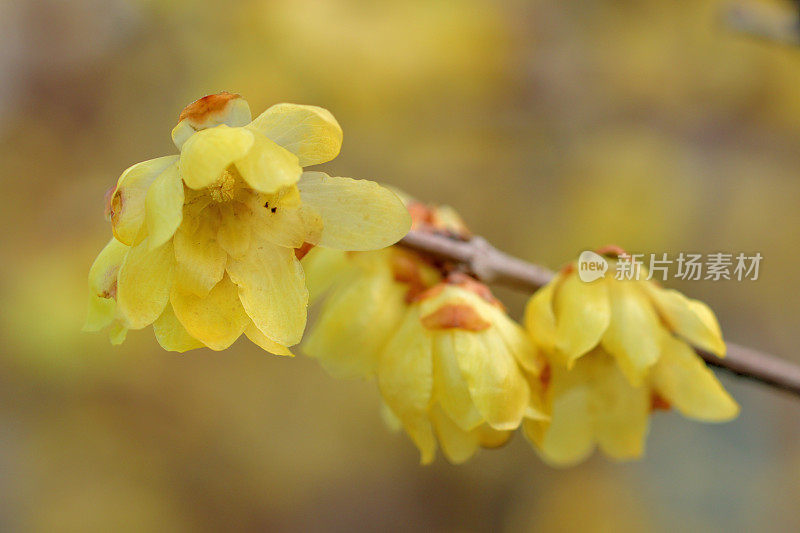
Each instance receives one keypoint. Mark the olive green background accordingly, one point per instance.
(553, 127)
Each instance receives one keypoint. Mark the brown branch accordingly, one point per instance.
(493, 266)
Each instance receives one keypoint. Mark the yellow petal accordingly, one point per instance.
(272, 290)
(209, 152)
(489, 437)
(457, 445)
(210, 111)
(568, 437)
(392, 422)
(683, 379)
(355, 323)
(171, 334)
(117, 333)
(128, 200)
(620, 411)
(200, 259)
(540, 320)
(285, 224)
(582, 313)
(217, 319)
(405, 378)
(268, 167)
(538, 408)
(634, 333)
(265, 343)
(143, 284)
(356, 214)
(164, 206)
(495, 382)
(323, 267)
(103, 285)
(519, 344)
(100, 313)
(309, 132)
(691, 319)
(233, 235)
(450, 388)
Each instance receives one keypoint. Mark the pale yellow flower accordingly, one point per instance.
(213, 232)
(617, 350)
(450, 364)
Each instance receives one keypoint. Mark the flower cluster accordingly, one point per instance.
(206, 243)
(232, 236)
(451, 365)
(618, 349)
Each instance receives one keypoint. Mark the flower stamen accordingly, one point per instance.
(223, 189)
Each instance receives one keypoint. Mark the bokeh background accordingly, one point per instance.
(552, 126)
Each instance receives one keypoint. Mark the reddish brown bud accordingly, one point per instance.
(206, 108)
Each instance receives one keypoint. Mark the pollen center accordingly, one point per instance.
(223, 189)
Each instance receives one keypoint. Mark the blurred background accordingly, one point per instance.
(553, 127)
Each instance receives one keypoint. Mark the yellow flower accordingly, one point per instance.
(450, 364)
(213, 234)
(617, 350)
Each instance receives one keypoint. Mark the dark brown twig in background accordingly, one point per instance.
(763, 21)
(491, 265)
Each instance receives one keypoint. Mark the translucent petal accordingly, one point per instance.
(495, 382)
(217, 319)
(143, 284)
(103, 285)
(634, 333)
(171, 334)
(457, 445)
(392, 422)
(285, 224)
(568, 438)
(691, 319)
(449, 387)
(233, 234)
(620, 411)
(209, 152)
(405, 378)
(356, 214)
(323, 267)
(164, 206)
(356, 321)
(117, 333)
(582, 313)
(684, 380)
(265, 343)
(100, 313)
(309, 132)
(272, 290)
(128, 201)
(200, 259)
(268, 167)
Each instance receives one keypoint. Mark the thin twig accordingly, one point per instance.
(493, 266)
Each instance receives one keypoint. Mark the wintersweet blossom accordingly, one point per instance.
(451, 366)
(619, 349)
(209, 238)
